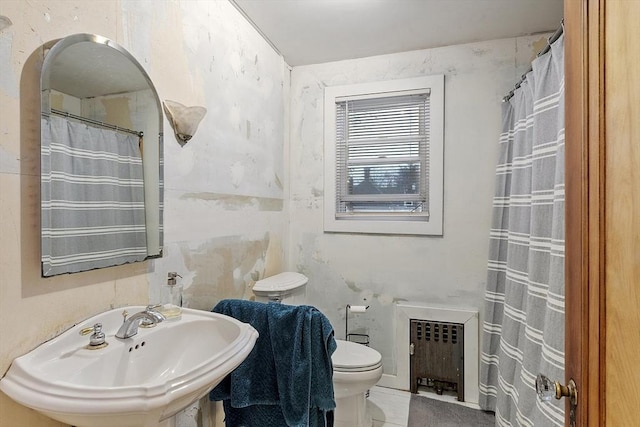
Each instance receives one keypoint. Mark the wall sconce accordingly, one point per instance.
(183, 120)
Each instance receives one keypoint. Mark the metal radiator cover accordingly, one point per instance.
(437, 356)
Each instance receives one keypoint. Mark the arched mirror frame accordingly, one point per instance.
(153, 161)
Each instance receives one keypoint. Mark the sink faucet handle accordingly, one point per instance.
(97, 336)
(125, 313)
(97, 328)
(146, 322)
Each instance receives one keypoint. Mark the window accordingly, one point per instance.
(384, 157)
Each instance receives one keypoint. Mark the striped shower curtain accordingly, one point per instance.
(523, 329)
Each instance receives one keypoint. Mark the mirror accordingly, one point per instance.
(101, 157)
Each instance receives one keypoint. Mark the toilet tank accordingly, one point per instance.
(288, 288)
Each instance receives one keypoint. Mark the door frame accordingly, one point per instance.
(585, 203)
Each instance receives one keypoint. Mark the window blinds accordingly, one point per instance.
(382, 155)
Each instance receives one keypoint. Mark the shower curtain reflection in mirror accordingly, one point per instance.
(92, 182)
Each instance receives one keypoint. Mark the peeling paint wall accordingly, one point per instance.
(224, 195)
(379, 270)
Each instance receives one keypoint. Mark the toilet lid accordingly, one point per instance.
(281, 282)
(351, 356)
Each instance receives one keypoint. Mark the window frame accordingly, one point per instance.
(380, 225)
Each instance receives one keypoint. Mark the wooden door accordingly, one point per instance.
(583, 200)
(622, 212)
(602, 80)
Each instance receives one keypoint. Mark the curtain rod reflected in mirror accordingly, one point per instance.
(94, 122)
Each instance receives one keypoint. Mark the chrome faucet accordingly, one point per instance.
(130, 325)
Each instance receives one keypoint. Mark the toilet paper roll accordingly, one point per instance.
(358, 308)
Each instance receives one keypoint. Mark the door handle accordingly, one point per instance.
(547, 390)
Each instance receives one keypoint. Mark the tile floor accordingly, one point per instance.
(390, 407)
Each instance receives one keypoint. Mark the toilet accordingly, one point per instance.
(356, 368)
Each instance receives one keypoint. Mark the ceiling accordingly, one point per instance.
(316, 31)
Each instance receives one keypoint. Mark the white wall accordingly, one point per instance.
(379, 270)
(224, 201)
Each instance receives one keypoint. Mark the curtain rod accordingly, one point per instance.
(94, 122)
(555, 36)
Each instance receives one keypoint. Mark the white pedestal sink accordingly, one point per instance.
(137, 381)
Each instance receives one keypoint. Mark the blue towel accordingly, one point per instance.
(287, 379)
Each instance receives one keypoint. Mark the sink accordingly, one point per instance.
(138, 381)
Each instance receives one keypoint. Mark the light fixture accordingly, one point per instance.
(184, 120)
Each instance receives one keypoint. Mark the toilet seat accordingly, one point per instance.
(281, 282)
(354, 357)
